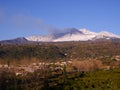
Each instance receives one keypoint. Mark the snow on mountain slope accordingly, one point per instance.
(106, 35)
(45, 38)
(73, 34)
(85, 31)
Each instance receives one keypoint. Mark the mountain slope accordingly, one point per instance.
(106, 35)
(69, 34)
(73, 34)
(15, 41)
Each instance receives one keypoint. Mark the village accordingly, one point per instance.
(70, 66)
(31, 68)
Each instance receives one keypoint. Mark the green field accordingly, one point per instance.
(95, 80)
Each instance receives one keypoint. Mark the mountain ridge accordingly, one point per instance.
(69, 34)
(73, 34)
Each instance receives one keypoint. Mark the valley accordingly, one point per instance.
(60, 65)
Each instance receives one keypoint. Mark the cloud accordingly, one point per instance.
(29, 22)
(25, 22)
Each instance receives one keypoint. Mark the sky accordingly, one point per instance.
(21, 18)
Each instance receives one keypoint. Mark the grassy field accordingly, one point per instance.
(95, 80)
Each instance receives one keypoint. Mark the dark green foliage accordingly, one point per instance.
(45, 80)
(96, 80)
(56, 51)
(16, 52)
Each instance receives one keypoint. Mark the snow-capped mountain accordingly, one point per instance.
(106, 35)
(73, 34)
(69, 34)
(85, 31)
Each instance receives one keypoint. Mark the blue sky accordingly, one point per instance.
(20, 18)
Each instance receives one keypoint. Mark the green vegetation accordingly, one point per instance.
(56, 51)
(19, 52)
(94, 67)
(95, 80)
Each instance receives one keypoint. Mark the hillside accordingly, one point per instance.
(60, 66)
(66, 35)
(60, 51)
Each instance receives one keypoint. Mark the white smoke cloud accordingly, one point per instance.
(25, 22)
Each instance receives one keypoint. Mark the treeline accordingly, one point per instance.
(95, 80)
(60, 51)
(41, 52)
